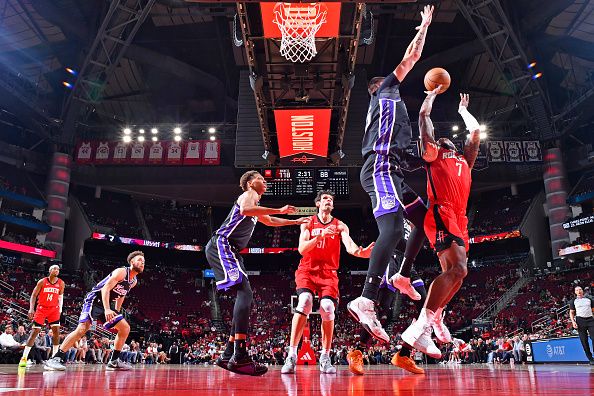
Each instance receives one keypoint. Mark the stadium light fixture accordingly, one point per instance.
(483, 135)
(127, 131)
(177, 138)
(127, 139)
(154, 138)
(455, 128)
(67, 84)
(141, 139)
(177, 130)
(212, 130)
(71, 71)
(213, 138)
(141, 131)
(531, 65)
(482, 127)
(455, 135)
(537, 75)
(154, 131)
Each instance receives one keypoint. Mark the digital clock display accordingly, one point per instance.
(305, 183)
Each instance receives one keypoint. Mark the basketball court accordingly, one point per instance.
(380, 380)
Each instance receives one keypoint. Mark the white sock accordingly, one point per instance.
(26, 352)
(325, 352)
(293, 351)
(426, 316)
(55, 349)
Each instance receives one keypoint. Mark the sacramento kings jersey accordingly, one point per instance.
(237, 228)
(121, 289)
(387, 129)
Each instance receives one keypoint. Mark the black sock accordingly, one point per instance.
(115, 355)
(240, 348)
(405, 350)
(229, 349)
(60, 354)
(371, 287)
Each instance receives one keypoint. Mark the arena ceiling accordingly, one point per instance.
(183, 67)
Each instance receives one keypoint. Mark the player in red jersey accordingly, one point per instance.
(448, 188)
(319, 244)
(49, 294)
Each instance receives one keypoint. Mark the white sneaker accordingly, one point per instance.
(418, 335)
(326, 365)
(441, 331)
(363, 310)
(402, 283)
(54, 364)
(289, 366)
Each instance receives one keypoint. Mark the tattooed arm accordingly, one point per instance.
(429, 148)
(415, 48)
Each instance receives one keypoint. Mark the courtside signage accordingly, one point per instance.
(16, 247)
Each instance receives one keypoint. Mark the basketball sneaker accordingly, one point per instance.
(246, 366)
(289, 366)
(403, 284)
(441, 331)
(418, 335)
(406, 363)
(363, 310)
(54, 364)
(23, 362)
(326, 366)
(355, 359)
(118, 365)
(223, 361)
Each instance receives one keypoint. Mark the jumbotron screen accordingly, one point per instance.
(305, 183)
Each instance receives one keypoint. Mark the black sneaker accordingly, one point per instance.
(246, 366)
(223, 360)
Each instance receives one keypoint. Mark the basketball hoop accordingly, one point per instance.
(299, 23)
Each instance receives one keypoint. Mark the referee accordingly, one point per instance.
(580, 312)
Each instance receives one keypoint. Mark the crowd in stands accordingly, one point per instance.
(585, 185)
(5, 184)
(496, 213)
(21, 214)
(169, 222)
(23, 239)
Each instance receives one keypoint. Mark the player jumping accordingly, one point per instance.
(448, 188)
(319, 244)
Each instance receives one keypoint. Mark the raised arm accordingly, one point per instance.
(415, 48)
(471, 148)
(272, 221)
(248, 206)
(429, 148)
(351, 247)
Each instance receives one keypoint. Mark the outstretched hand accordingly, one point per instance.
(434, 92)
(426, 17)
(365, 252)
(464, 100)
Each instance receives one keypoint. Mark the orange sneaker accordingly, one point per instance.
(355, 359)
(406, 363)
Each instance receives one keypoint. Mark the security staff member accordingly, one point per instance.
(580, 312)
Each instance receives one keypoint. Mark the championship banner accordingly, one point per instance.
(84, 152)
(212, 153)
(120, 152)
(514, 151)
(174, 153)
(156, 152)
(532, 151)
(102, 153)
(496, 151)
(192, 153)
(327, 29)
(303, 136)
(137, 153)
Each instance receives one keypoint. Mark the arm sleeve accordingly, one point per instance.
(390, 81)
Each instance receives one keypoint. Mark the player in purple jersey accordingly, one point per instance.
(104, 301)
(222, 253)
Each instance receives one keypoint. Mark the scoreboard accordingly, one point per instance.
(305, 183)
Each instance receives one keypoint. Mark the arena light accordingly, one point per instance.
(67, 84)
(482, 127)
(141, 131)
(177, 138)
(537, 75)
(154, 138)
(177, 130)
(212, 130)
(483, 135)
(154, 131)
(71, 71)
(213, 138)
(455, 128)
(531, 65)
(455, 135)
(127, 131)
(141, 139)
(127, 139)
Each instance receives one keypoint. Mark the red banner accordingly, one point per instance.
(328, 28)
(17, 247)
(303, 134)
(194, 152)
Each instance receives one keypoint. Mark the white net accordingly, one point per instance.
(299, 24)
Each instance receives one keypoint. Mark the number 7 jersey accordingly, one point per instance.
(448, 179)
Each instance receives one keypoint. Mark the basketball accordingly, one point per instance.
(437, 76)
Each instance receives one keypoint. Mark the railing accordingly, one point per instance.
(7, 287)
(500, 304)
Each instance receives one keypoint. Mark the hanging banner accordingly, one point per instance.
(303, 136)
(120, 152)
(84, 152)
(513, 150)
(102, 153)
(174, 153)
(532, 151)
(212, 153)
(496, 151)
(193, 153)
(155, 155)
(138, 153)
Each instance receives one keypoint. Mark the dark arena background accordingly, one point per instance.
(126, 125)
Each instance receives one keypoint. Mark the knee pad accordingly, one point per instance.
(305, 304)
(327, 309)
